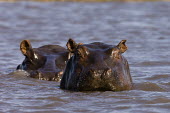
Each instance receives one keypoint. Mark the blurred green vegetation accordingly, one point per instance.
(82, 0)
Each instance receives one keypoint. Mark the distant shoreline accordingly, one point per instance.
(84, 0)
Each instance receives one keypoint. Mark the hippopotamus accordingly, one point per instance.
(45, 63)
(96, 67)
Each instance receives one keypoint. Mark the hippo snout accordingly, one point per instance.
(100, 73)
(50, 76)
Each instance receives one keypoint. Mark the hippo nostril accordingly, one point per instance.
(108, 71)
(93, 72)
(105, 71)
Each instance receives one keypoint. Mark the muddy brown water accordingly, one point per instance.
(145, 25)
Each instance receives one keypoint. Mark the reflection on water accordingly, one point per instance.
(144, 25)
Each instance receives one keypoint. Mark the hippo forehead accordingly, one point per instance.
(97, 55)
(96, 46)
(97, 49)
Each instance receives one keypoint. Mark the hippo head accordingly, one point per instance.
(96, 66)
(45, 63)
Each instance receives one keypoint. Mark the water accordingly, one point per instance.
(145, 25)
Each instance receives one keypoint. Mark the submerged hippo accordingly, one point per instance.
(96, 66)
(45, 63)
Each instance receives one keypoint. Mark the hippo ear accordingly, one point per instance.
(26, 48)
(71, 45)
(122, 46)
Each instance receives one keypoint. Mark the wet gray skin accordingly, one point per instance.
(45, 63)
(96, 66)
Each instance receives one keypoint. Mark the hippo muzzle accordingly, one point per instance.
(50, 76)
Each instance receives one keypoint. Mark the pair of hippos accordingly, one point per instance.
(80, 67)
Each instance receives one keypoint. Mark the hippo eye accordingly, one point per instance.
(82, 52)
(115, 53)
(29, 62)
(79, 53)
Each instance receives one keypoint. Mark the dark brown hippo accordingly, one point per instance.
(45, 63)
(96, 67)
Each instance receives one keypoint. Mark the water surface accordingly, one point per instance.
(145, 25)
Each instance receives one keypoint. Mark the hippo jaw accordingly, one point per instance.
(96, 67)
